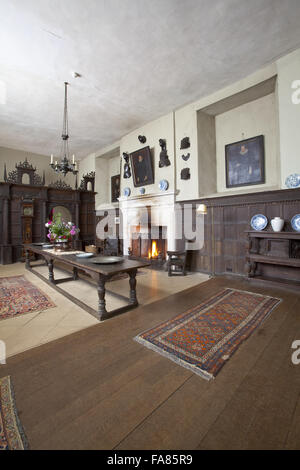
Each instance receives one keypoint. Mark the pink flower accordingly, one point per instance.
(72, 232)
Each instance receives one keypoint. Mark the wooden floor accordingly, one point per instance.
(99, 389)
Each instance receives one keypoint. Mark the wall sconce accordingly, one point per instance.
(202, 209)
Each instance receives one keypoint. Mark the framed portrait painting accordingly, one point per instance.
(115, 188)
(141, 165)
(245, 162)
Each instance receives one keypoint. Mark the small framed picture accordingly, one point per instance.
(245, 162)
(115, 188)
(142, 169)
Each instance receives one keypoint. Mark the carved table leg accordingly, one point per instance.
(50, 268)
(101, 296)
(75, 274)
(132, 283)
(27, 259)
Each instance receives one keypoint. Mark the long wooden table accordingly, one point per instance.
(100, 273)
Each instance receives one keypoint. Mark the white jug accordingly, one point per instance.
(277, 224)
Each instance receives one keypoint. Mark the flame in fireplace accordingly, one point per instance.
(153, 253)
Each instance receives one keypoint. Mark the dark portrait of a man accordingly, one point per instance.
(245, 163)
(141, 164)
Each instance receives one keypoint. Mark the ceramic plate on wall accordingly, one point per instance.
(259, 222)
(295, 222)
(142, 190)
(293, 181)
(163, 185)
(126, 192)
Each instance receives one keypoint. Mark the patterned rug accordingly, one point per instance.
(18, 296)
(203, 338)
(12, 436)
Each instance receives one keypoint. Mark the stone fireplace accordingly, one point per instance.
(149, 226)
(149, 244)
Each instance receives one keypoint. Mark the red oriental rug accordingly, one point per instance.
(203, 338)
(12, 436)
(18, 296)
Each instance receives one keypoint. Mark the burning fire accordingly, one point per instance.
(153, 253)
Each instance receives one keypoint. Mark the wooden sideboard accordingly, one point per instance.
(80, 203)
(273, 256)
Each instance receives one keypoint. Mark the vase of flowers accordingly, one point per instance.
(60, 232)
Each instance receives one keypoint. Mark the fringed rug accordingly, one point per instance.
(203, 338)
(18, 296)
(12, 436)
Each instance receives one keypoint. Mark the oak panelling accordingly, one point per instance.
(227, 220)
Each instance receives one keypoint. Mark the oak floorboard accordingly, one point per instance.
(261, 411)
(99, 389)
(198, 403)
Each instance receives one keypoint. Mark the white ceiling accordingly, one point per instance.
(139, 59)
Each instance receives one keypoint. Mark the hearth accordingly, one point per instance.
(150, 244)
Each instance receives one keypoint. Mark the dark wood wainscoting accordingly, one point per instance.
(228, 219)
(81, 205)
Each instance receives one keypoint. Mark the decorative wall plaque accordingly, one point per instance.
(142, 139)
(127, 172)
(185, 143)
(185, 174)
(163, 156)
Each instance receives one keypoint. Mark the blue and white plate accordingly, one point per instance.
(293, 181)
(163, 185)
(295, 222)
(84, 255)
(259, 222)
(126, 192)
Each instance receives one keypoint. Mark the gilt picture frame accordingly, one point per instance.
(142, 168)
(245, 162)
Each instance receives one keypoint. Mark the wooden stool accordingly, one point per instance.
(177, 259)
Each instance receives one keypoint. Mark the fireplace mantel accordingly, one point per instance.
(145, 197)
